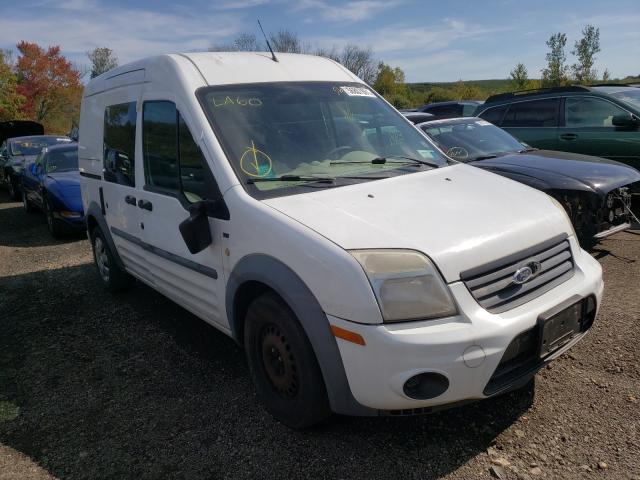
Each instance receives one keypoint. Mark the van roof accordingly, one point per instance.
(221, 68)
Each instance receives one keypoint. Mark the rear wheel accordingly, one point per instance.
(26, 204)
(113, 277)
(282, 363)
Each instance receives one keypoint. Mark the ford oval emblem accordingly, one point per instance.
(522, 275)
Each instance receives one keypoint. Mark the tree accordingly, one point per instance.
(519, 77)
(332, 53)
(360, 61)
(247, 42)
(50, 85)
(464, 91)
(102, 60)
(585, 50)
(556, 72)
(10, 100)
(606, 76)
(390, 84)
(286, 41)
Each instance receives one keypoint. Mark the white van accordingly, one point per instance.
(288, 205)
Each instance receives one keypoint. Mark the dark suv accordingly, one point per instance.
(600, 120)
(451, 109)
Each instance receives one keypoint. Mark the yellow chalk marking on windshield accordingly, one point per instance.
(258, 164)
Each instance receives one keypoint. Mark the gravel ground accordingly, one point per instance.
(132, 386)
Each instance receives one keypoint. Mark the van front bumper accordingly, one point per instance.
(465, 349)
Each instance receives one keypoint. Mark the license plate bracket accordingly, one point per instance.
(560, 328)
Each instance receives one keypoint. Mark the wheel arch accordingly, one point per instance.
(257, 273)
(95, 219)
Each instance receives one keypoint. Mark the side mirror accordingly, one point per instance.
(195, 230)
(628, 121)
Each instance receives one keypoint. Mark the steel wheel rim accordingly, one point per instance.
(102, 260)
(278, 362)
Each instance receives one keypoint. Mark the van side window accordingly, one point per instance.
(119, 143)
(172, 160)
(590, 112)
(534, 113)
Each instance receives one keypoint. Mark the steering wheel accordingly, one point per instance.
(333, 154)
(458, 152)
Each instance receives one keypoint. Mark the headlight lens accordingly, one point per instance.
(564, 210)
(406, 284)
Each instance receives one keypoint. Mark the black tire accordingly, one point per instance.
(14, 189)
(114, 278)
(283, 366)
(56, 228)
(27, 205)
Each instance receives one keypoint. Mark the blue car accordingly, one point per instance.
(52, 184)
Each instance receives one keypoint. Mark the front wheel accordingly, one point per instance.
(53, 224)
(14, 190)
(283, 365)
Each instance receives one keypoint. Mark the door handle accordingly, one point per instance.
(146, 204)
(130, 200)
(569, 136)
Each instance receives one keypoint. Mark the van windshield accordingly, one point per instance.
(313, 129)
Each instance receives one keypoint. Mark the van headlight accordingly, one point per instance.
(406, 284)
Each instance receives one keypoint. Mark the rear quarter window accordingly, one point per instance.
(532, 113)
(494, 114)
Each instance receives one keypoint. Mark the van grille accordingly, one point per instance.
(493, 287)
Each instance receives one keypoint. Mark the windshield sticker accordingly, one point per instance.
(355, 91)
(239, 101)
(426, 153)
(255, 163)
(484, 123)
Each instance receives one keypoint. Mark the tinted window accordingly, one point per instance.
(160, 145)
(468, 109)
(119, 143)
(34, 145)
(534, 113)
(445, 111)
(494, 114)
(590, 112)
(62, 161)
(172, 159)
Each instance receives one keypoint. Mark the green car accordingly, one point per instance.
(599, 120)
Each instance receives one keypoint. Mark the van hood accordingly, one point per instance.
(460, 216)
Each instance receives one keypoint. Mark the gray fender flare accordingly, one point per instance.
(286, 283)
(95, 211)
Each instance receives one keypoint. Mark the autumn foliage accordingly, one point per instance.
(47, 88)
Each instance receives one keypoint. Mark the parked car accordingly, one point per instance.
(450, 109)
(599, 120)
(52, 185)
(417, 117)
(290, 206)
(16, 152)
(594, 191)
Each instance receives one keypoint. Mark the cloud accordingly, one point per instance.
(348, 12)
(131, 32)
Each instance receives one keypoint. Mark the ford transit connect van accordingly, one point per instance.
(288, 205)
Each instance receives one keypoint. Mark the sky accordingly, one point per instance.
(431, 41)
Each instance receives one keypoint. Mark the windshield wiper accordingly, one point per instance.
(484, 157)
(383, 160)
(291, 178)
